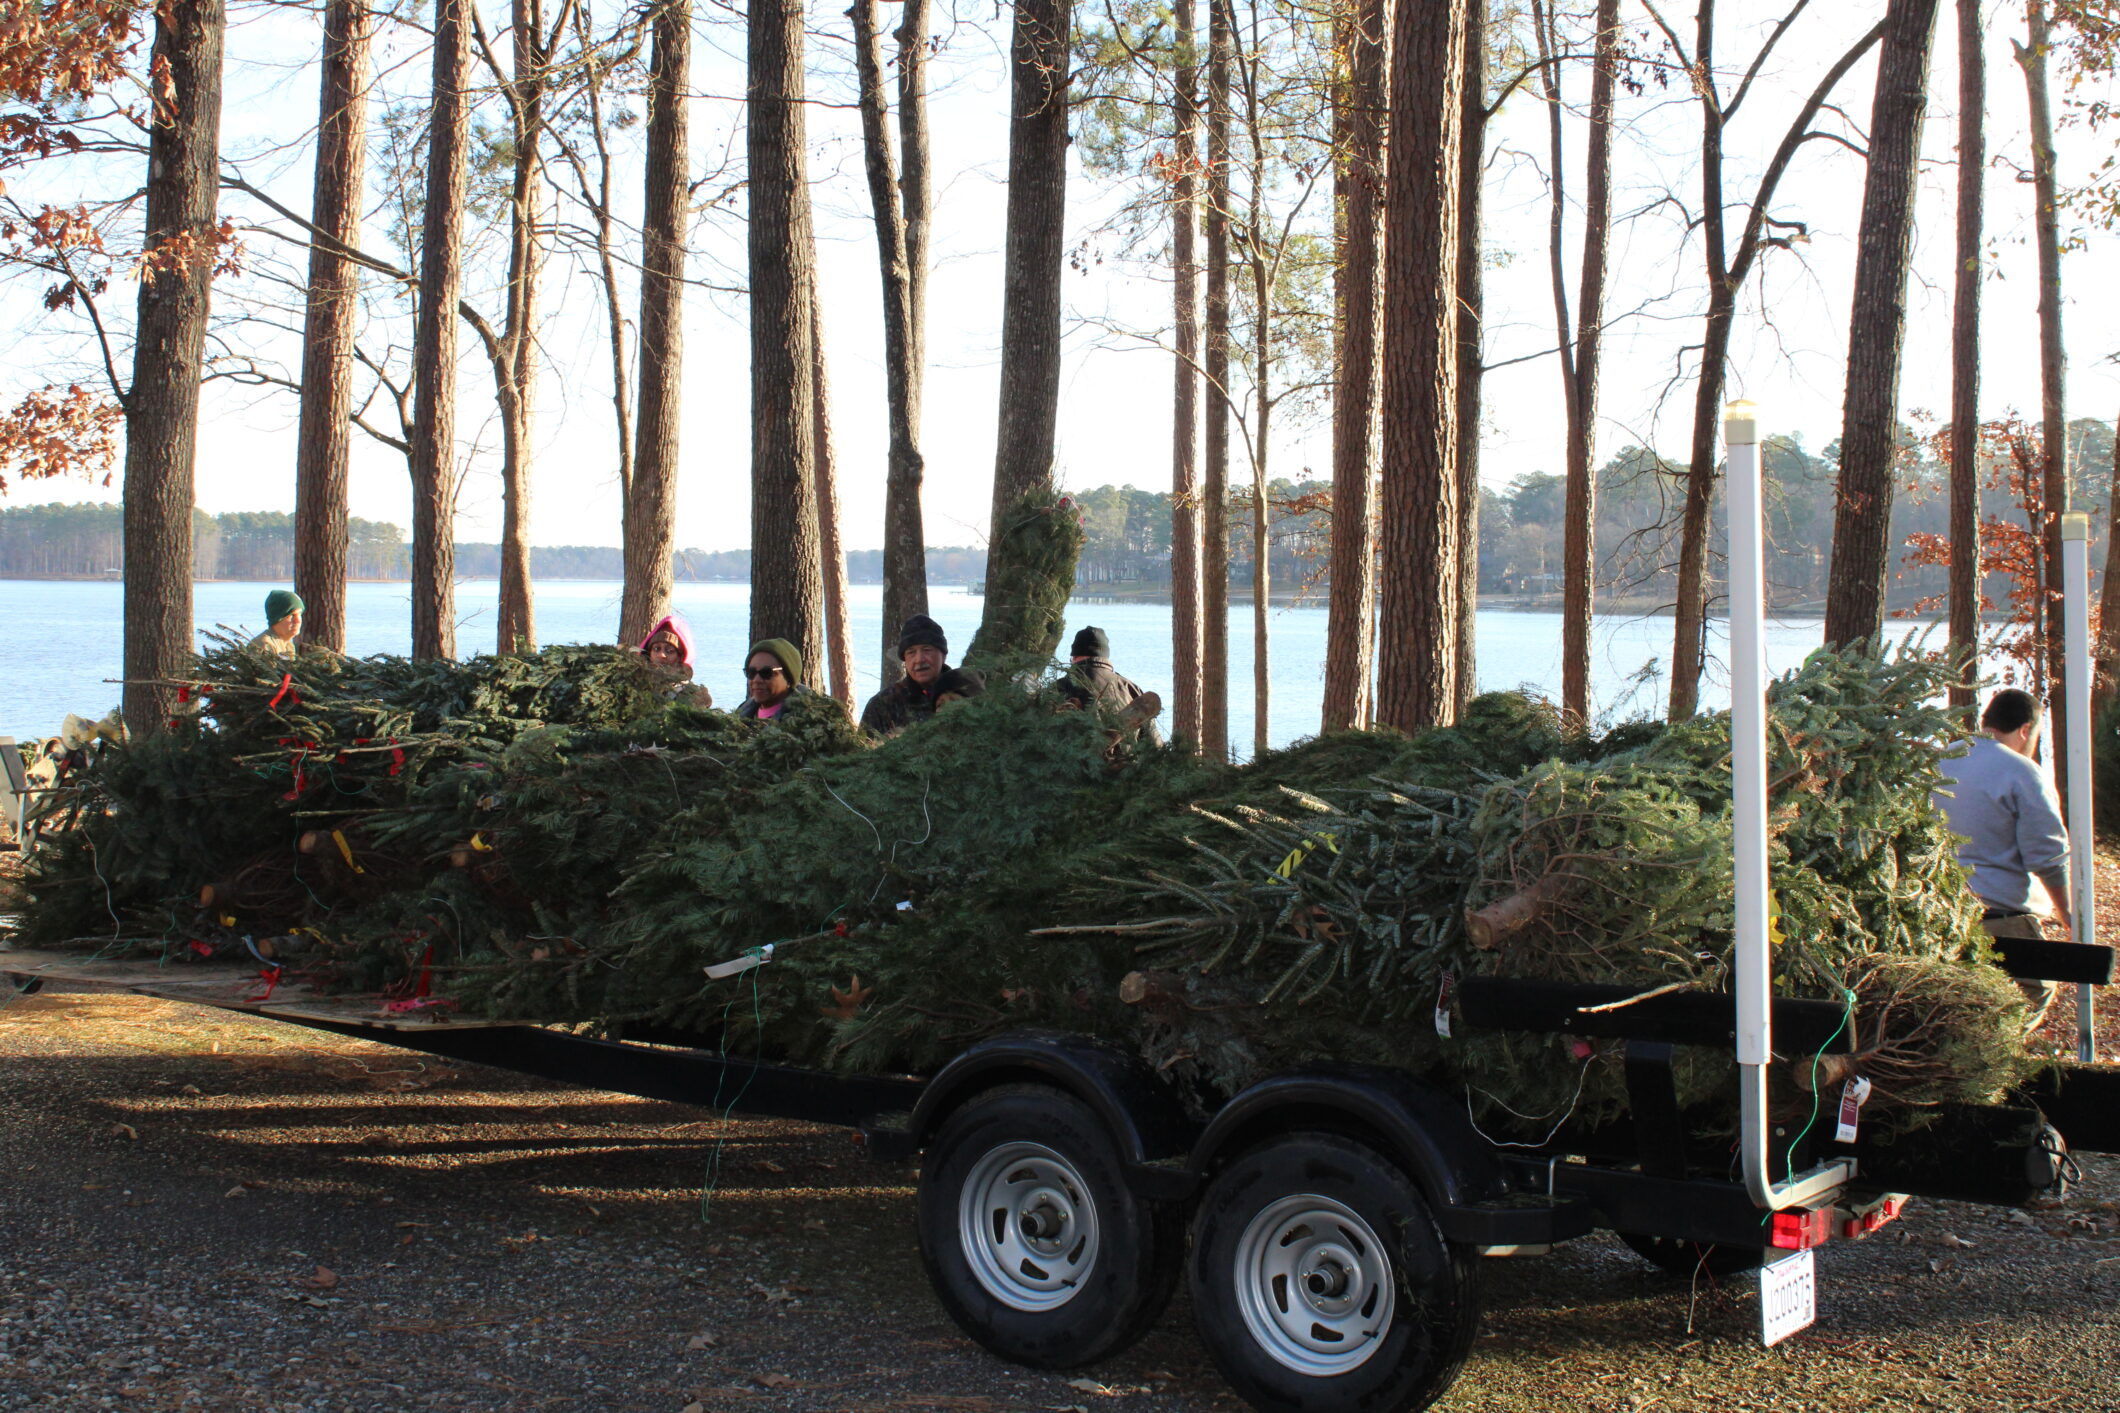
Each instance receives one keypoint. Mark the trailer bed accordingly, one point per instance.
(225, 986)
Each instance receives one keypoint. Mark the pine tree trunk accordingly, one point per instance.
(162, 406)
(651, 506)
(597, 198)
(904, 539)
(323, 440)
(1579, 539)
(831, 554)
(786, 573)
(433, 451)
(1185, 389)
(1260, 261)
(1965, 359)
(516, 622)
(1358, 122)
(1862, 514)
(1419, 581)
(1214, 481)
(1033, 258)
(2053, 359)
(1471, 368)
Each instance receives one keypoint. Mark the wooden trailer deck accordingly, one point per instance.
(225, 985)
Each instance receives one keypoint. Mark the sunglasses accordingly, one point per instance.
(756, 672)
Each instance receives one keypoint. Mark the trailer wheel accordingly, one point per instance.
(1321, 1281)
(1691, 1258)
(1030, 1237)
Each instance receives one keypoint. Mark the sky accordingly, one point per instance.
(1787, 353)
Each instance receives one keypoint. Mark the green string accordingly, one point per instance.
(1847, 1015)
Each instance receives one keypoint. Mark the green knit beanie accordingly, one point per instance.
(281, 602)
(790, 657)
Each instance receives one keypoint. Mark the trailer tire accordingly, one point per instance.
(1321, 1282)
(1030, 1236)
(1691, 1258)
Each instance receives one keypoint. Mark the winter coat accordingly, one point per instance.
(906, 701)
(278, 647)
(1095, 682)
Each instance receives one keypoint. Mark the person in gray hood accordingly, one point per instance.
(2004, 804)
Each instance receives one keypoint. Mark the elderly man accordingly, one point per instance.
(283, 610)
(2006, 808)
(929, 684)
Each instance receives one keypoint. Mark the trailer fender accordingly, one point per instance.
(1428, 1135)
(1140, 1111)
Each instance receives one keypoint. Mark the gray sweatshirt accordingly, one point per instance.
(2006, 808)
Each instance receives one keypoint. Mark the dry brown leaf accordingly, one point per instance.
(237, 1191)
(701, 1341)
(774, 1381)
(324, 1279)
(126, 1130)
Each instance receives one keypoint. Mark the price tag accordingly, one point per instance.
(1442, 1004)
(1852, 1096)
(1788, 1297)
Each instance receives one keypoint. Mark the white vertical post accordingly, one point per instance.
(1753, 963)
(2076, 686)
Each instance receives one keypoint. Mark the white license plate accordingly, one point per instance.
(1788, 1296)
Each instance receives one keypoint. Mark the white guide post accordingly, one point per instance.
(1754, 963)
(2076, 661)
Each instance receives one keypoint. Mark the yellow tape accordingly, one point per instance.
(1303, 851)
(479, 844)
(1774, 936)
(346, 851)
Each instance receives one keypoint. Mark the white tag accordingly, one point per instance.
(1852, 1095)
(1788, 1297)
(743, 963)
(1442, 1004)
(906, 906)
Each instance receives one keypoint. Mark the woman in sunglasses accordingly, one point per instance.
(772, 674)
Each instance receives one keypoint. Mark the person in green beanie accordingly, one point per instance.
(283, 610)
(772, 676)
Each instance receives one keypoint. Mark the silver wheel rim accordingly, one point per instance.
(1027, 1226)
(1314, 1285)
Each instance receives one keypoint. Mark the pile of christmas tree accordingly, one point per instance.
(545, 837)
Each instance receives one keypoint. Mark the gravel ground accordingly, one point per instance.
(199, 1211)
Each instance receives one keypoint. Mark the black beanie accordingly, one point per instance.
(922, 631)
(1091, 642)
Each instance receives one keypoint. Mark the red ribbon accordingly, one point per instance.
(286, 687)
(271, 977)
(397, 757)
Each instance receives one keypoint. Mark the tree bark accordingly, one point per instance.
(1471, 366)
(1185, 389)
(323, 440)
(831, 553)
(516, 373)
(1358, 122)
(597, 197)
(162, 405)
(1862, 512)
(651, 504)
(904, 538)
(786, 573)
(2053, 359)
(1579, 539)
(1726, 274)
(1259, 260)
(1419, 582)
(433, 441)
(1214, 480)
(1965, 363)
(1033, 256)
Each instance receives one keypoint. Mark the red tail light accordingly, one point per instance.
(1799, 1229)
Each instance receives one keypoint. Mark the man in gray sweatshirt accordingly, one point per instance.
(2006, 808)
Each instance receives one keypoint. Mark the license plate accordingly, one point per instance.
(1788, 1296)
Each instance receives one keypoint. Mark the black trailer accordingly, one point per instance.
(1330, 1220)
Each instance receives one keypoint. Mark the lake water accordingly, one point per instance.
(60, 644)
